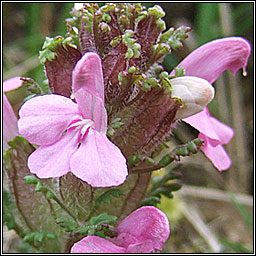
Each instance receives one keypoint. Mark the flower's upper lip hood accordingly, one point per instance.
(211, 59)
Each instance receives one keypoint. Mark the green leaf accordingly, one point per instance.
(68, 224)
(40, 187)
(31, 179)
(7, 201)
(38, 237)
(106, 197)
(191, 147)
(83, 230)
(170, 175)
(102, 219)
(114, 125)
(152, 200)
(134, 159)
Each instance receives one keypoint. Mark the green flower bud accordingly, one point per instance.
(161, 24)
(129, 54)
(106, 17)
(132, 69)
(104, 27)
(115, 41)
(166, 35)
(156, 11)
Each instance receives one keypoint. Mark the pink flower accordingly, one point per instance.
(208, 62)
(10, 129)
(72, 136)
(143, 231)
(214, 133)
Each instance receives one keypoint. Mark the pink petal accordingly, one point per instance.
(95, 244)
(54, 160)
(10, 129)
(12, 84)
(202, 123)
(216, 131)
(142, 226)
(87, 75)
(92, 108)
(43, 119)
(142, 247)
(217, 154)
(99, 162)
(211, 59)
(88, 88)
(224, 132)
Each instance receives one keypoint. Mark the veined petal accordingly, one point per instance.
(142, 226)
(54, 160)
(195, 93)
(12, 84)
(92, 107)
(211, 59)
(10, 128)
(98, 161)
(87, 75)
(43, 119)
(216, 154)
(95, 244)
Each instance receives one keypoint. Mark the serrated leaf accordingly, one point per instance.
(31, 179)
(106, 197)
(102, 219)
(83, 230)
(152, 200)
(68, 224)
(37, 238)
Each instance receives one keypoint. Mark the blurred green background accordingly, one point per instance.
(25, 26)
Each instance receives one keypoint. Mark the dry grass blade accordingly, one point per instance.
(22, 68)
(194, 217)
(214, 194)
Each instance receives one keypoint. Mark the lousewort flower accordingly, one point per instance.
(214, 133)
(208, 62)
(143, 231)
(72, 136)
(10, 129)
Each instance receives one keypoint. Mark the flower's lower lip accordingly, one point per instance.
(82, 126)
(84, 123)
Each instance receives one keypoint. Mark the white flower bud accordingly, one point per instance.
(194, 92)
